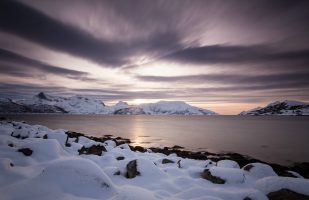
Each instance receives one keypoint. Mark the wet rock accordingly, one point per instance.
(94, 149)
(132, 169)
(25, 151)
(138, 148)
(120, 158)
(165, 161)
(177, 147)
(302, 169)
(286, 194)
(214, 179)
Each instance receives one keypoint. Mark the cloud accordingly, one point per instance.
(234, 79)
(31, 24)
(232, 55)
(16, 65)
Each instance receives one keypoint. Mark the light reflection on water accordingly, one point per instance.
(276, 139)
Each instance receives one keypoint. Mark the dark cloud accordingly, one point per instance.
(234, 79)
(26, 22)
(235, 55)
(16, 65)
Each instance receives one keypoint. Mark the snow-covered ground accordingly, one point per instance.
(39, 163)
(43, 103)
(280, 108)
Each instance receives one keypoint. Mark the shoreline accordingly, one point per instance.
(282, 170)
(41, 163)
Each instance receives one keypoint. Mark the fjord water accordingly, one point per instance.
(278, 139)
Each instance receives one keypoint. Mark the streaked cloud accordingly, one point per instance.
(209, 53)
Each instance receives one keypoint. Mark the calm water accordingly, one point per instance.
(276, 139)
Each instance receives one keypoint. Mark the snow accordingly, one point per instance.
(43, 103)
(57, 171)
(286, 107)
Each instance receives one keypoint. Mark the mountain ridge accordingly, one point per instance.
(44, 103)
(286, 107)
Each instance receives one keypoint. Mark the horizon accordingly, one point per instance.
(225, 56)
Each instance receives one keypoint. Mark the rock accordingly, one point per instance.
(94, 149)
(248, 167)
(208, 176)
(11, 164)
(165, 161)
(120, 158)
(131, 169)
(302, 169)
(11, 145)
(247, 198)
(177, 147)
(45, 136)
(286, 194)
(138, 148)
(117, 173)
(25, 151)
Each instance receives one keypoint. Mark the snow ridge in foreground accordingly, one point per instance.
(51, 168)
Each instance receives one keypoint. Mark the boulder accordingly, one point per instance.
(286, 194)
(206, 174)
(165, 161)
(132, 169)
(94, 149)
(25, 151)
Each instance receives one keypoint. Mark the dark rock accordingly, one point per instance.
(2, 118)
(11, 164)
(117, 173)
(214, 179)
(177, 147)
(164, 161)
(131, 169)
(94, 149)
(45, 136)
(302, 169)
(120, 158)
(11, 145)
(25, 151)
(138, 148)
(286, 194)
(247, 198)
(248, 167)
(179, 165)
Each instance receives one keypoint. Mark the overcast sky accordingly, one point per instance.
(227, 56)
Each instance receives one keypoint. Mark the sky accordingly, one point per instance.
(223, 55)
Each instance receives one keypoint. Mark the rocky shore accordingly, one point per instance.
(108, 167)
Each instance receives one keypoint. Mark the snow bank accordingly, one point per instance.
(37, 163)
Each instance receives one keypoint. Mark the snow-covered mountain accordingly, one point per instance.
(280, 108)
(164, 108)
(43, 103)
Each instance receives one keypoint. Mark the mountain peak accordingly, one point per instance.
(42, 95)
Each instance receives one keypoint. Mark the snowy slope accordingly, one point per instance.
(37, 163)
(281, 108)
(43, 103)
(74, 105)
(164, 108)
